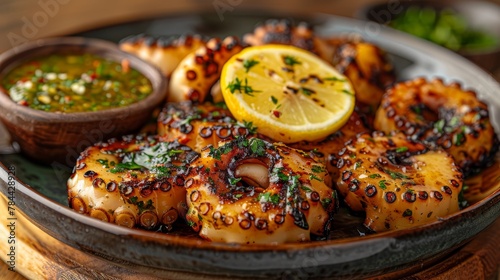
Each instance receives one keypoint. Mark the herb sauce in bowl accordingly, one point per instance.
(72, 83)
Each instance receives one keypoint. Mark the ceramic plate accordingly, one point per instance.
(41, 191)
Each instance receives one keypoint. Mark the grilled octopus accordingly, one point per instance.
(398, 182)
(326, 151)
(133, 182)
(200, 125)
(442, 115)
(364, 64)
(164, 52)
(192, 63)
(200, 70)
(251, 191)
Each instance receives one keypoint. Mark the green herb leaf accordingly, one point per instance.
(439, 125)
(233, 181)
(325, 202)
(305, 188)
(458, 138)
(334, 79)
(251, 128)
(314, 177)
(104, 162)
(290, 60)
(258, 147)
(274, 100)
(401, 149)
(317, 169)
(306, 91)
(382, 185)
(237, 85)
(268, 197)
(249, 63)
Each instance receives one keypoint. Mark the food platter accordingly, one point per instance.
(41, 192)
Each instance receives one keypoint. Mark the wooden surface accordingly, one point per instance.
(22, 20)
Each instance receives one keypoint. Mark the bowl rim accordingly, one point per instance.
(105, 49)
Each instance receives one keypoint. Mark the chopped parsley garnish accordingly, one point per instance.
(274, 100)
(397, 175)
(382, 185)
(258, 146)
(314, 177)
(217, 153)
(307, 189)
(454, 121)
(251, 128)
(195, 116)
(417, 109)
(290, 60)
(122, 166)
(407, 213)
(191, 223)
(317, 169)
(237, 85)
(233, 181)
(334, 79)
(439, 125)
(347, 92)
(141, 205)
(104, 162)
(306, 91)
(221, 105)
(394, 175)
(401, 149)
(325, 202)
(375, 175)
(268, 197)
(458, 138)
(358, 164)
(249, 63)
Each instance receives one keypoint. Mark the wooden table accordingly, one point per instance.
(22, 20)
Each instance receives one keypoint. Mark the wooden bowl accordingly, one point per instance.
(50, 137)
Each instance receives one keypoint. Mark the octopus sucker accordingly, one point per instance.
(133, 182)
(398, 182)
(251, 191)
(441, 115)
(165, 52)
(196, 74)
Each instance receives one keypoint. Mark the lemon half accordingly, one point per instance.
(289, 94)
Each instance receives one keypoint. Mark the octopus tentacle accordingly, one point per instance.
(368, 69)
(326, 151)
(442, 115)
(133, 182)
(252, 191)
(200, 70)
(165, 52)
(398, 182)
(200, 125)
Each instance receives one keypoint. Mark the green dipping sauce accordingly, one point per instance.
(76, 83)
